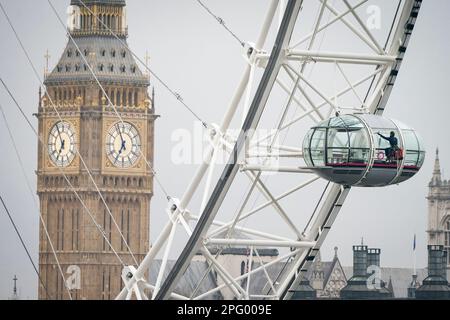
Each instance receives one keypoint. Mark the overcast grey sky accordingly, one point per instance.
(195, 56)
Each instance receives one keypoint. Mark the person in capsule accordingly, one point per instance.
(393, 141)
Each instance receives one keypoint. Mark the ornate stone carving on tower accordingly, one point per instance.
(112, 151)
(439, 210)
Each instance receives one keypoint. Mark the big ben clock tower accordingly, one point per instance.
(113, 151)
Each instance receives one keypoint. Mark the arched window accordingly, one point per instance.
(69, 53)
(100, 67)
(124, 98)
(112, 96)
(123, 53)
(103, 52)
(60, 230)
(111, 67)
(125, 228)
(77, 67)
(447, 239)
(113, 53)
(136, 98)
(130, 97)
(100, 96)
(123, 68)
(133, 69)
(118, 97)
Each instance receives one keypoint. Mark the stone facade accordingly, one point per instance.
(439, 210)
(327, 278)
(85, 124)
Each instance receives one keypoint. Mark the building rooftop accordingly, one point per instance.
(108, 58)
(98, 2)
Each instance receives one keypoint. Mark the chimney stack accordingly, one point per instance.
(360, 261)
(373, 257)
(435, 286)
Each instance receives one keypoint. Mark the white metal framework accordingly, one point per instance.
(305, 79)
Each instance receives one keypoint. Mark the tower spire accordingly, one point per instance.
(15, 296)
(437, 178)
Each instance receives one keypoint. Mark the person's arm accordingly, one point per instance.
(385, 138)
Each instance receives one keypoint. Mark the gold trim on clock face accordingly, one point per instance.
(62, 144)
(123, 145)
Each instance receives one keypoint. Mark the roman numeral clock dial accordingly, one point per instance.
(62, 144)
(123, 145)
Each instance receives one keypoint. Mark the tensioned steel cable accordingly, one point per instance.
(385, 46)
(125, 45)
(65, 177)
(221, 22)
(30, 189)
(60, 119)
(23, 243)
(107, 97)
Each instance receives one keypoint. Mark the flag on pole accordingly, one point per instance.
(414, 243)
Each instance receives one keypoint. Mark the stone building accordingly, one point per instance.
(327, 278)
(435, 286)
(114, 151)
(366, 282)
(439, 210)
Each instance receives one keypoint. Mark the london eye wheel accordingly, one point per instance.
(309, 105)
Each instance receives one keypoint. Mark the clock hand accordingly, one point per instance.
(59, 153)
(59, 134)
(120, 132)
(63, 142)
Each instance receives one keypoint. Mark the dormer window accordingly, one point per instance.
(85, 67)
(100, 67)
(111, 68)
(133, 69)
(69, 53)
(103, 52)
(77, 67)
(122, 68)
(68, 67)
(113, 53)
(123, 53)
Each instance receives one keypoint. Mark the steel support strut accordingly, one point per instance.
(232, 167)
(337, 195)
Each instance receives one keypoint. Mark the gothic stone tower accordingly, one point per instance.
(112, 151)
(439, 210)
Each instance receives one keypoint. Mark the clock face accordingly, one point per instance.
(123, 145)
(61, 144)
